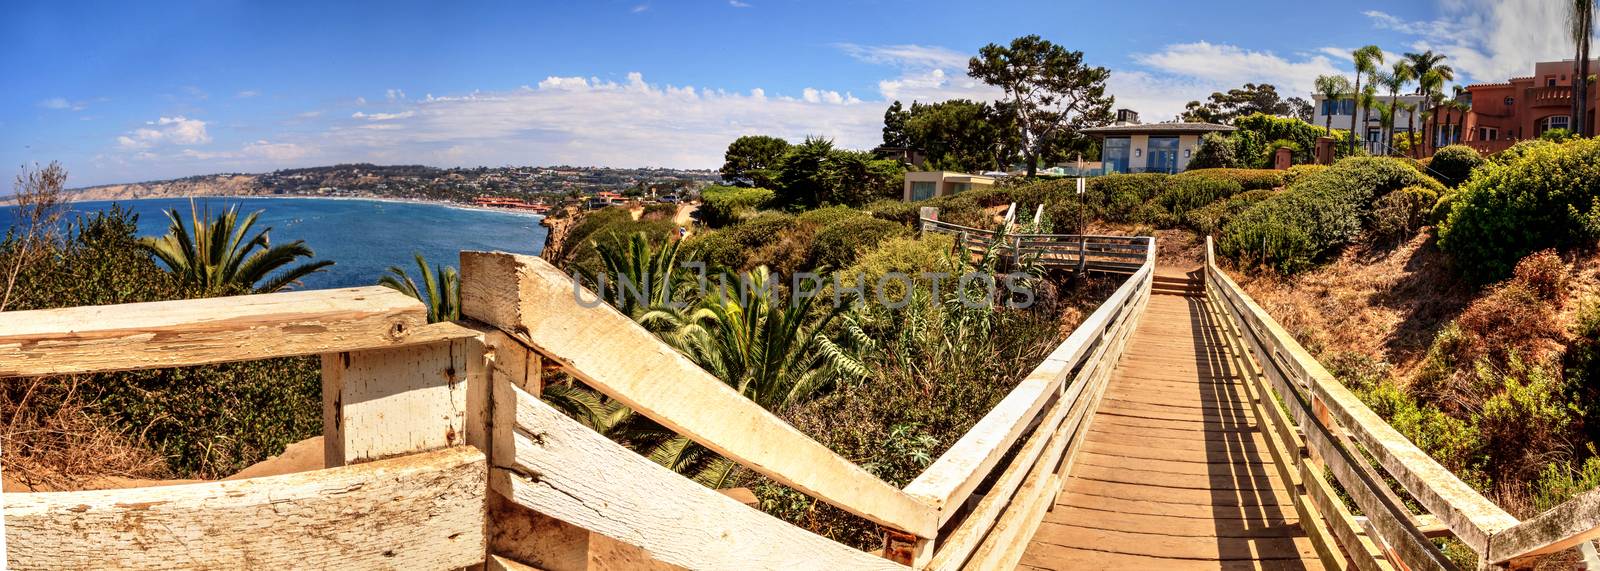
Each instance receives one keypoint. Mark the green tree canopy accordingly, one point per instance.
(750, 160)
(1249, 99)
(1048, 89)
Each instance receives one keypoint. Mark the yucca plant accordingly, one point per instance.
(441, 289)
(219, 255)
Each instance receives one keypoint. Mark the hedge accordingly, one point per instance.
(1547, 197)
(836, 246)
(1249, 179)
(1454, 164)
(1120, 197)
(1297, 227)
(723, 205)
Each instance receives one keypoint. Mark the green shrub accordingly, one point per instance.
(1216, 150)
(723, 205)
(1518, 150)
(830, 215)
(837, 246)
(576, 251)
(1399, 214)
(1546, 198)
(1297, 172)
(1296, 227)
(1282, 132)
(1122, 196)
(1183, 194)
(1556, 135)
(207, 421)
(733, 247)
(904, 255)
(1454, 164)
(659, 211)
(1248, 179)
(907, 213)
(1213, 217)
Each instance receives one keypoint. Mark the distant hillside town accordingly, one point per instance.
(497, 186)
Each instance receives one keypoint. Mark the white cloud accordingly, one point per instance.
(61, 104)
(382, 116)
(625, 122)
(908, 56)
(1232, 66)
(1488, 40)
(255, 152)
(166, 130)
(738, 4)
(361, 101)
(394, 94)
(246, 94)
(639, 8)
(278, 152)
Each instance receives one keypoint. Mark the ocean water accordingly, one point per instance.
(362, 237)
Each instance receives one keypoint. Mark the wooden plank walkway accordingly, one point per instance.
(1174, 473)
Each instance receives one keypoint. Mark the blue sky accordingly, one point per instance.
(131, 91)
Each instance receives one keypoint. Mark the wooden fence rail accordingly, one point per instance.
(1338, 431)
(1115, 254)
(434, 437)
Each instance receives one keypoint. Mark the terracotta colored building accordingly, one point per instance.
(1522, 108)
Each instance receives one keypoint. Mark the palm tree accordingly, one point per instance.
(768, 350)
(1395, 80)
(1411, 127)
(1332, 88)
(1580, 27)
(1428, 61)
(1367, 59)
(638, 277)
(215, 256)
(1369, 99)
(1431, 86)
(441, 291)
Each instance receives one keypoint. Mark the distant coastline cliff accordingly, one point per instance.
(411, 182)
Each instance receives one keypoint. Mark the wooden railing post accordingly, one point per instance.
(381, 403)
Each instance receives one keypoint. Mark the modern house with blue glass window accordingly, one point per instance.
(1129, 146)
(923, 185)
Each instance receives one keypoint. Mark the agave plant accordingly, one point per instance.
(440, 291)
(216, 256)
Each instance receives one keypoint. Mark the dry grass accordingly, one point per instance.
(49, 440)
(1382, 304)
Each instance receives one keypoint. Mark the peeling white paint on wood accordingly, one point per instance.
(423, 511)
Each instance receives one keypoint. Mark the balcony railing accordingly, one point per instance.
(1549, 96)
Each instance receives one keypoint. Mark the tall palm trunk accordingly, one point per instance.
(1581, 93)
(1411, 131)
(1353, 110)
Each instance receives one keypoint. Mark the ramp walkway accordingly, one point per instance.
(1174, 472)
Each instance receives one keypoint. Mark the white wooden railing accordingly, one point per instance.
(440, 454)
(1328, 430)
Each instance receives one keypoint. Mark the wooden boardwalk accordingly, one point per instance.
(1174, 473)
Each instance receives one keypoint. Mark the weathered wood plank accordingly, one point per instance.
(380, 403)
(569, 472)
(538, 304)
(216, 330)
(424, 511)
(951, 478)
(1364, 554)
(1560, 527)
